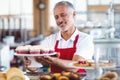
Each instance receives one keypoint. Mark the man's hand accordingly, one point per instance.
(27, 62)
(47, 59)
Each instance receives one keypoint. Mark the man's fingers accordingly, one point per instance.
(28, 62)
(56, 55)
(25, 58)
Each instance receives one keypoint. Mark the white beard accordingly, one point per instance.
(64, 30)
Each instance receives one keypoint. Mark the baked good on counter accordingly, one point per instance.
(109, 76)
(66, 73)
(2, 76)
(15, 74)
(71, 75)
(84, 64)
(92, 64)
(56, 75)
(45, 77)
(63, 78)
(74, 76)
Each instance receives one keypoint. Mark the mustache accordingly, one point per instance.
(59, 23)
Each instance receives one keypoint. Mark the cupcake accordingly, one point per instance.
(51, 50)
(34, 50)
(22, 50)
(44, 50)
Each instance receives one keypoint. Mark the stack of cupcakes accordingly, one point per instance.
(23, 49)
(36, 49)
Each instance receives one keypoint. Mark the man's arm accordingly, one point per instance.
(60, 63)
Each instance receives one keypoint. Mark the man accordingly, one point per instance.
(71, 44)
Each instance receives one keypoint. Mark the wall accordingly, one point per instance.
(41, 17)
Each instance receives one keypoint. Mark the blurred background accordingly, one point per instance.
(27, 22)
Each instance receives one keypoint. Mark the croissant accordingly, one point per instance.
(109, 76)
(2, 76)
(14, 74)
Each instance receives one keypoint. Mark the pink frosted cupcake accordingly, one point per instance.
(22, 50)
(51, 50)
(44, 50)
(35, 50)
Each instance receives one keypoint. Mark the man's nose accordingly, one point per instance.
(60, 19)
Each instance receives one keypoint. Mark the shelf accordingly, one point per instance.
(115, 42)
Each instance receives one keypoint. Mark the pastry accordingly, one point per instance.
(45, 77)
(56, 75)
(35, 50)
(71, 75)
(66, 73)
(74, 76)
(15, 74)
(82, 64)
(109, 76)
(2, 76)
(22, 50)
(92, 64)
(63, 78)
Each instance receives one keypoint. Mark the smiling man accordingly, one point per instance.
(69, 42)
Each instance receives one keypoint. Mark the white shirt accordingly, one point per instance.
(85, 46)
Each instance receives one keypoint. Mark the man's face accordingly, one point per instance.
(64, 17)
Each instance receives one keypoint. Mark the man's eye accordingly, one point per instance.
(63, 15)
(56, 17)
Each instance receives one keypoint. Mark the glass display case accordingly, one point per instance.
(109, 51)
(4, 58)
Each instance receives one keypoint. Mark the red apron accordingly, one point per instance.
(66, 54)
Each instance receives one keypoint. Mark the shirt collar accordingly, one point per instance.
(71, 38)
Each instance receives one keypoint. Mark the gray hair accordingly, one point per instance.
(70, 5)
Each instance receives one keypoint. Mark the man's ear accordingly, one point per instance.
(74, 13)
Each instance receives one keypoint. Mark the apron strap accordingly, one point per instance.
(56, 44)
(75, 41)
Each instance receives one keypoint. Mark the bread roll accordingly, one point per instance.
(2, 76)
(63, 78)
(14, 74)
(109, 76)
(45, 77)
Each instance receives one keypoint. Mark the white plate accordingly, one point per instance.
(34, 63)
(104, 67)
(35, 54)
(27, 78)
(72, 65)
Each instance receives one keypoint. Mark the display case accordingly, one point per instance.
(4, 57)
(109, 49)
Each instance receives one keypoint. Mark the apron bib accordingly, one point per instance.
(65, 53)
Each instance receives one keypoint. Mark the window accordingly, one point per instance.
(16, 12)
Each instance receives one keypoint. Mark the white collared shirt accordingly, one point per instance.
(84, 46)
